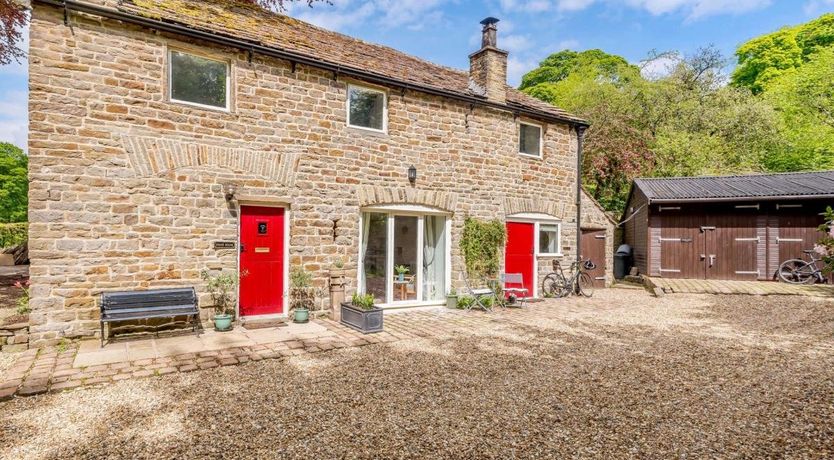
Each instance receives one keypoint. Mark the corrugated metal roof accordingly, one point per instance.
(753, 186)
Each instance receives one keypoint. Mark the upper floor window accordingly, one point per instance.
(530, 140)
(199, 81)
(366, 108)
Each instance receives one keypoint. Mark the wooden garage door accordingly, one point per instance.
(715, 242)
(593, 247)
(731, 244)
(797, 231)
(681, 241)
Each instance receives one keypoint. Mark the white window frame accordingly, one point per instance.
(405, 210)
(384, 129)
(541, 139)
(537, 219)
(558, 239)
(227, 108)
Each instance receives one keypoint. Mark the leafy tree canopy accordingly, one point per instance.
(14, 183)
(765, 58)
(595, 64)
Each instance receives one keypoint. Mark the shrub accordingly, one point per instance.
(221, 287)
(23, 301)
(481, 244)
(13, 234)
(465, 301)
(825, 246)
(362, 301)
(302, 294)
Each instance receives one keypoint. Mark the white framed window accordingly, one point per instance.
(198, 80)
(530, 139)
(367, 108)
(404, 255)
(549, 239)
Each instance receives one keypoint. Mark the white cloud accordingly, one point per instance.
(658, 68)
(14, 117)
(693, 9)
(515, 43)
(813, 7)
(569, 44)
(517, 67)
(343, 14)
(697, 9)
(573, 5)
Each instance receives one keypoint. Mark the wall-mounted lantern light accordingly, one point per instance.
(412, 174)
(230, 190)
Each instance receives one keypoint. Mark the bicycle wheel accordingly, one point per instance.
(796, 271)
(554, 285)
(585, 284)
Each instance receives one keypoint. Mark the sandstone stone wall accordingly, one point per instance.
(126, 188)
(594, 217)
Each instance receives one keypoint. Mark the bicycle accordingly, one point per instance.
(555, 284)
(798, 271)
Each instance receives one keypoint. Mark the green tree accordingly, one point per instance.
(767, 57)
(804, 97)
(14, 183)
(596, 63)
(688, 122)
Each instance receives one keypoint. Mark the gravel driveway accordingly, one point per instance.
(620, 375)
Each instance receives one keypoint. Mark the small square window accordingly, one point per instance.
(530, 140)
(199, 81)
(366, 108)
(549, 239)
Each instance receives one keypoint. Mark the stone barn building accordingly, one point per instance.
(172, 137)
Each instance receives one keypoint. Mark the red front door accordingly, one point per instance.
(519, 253)
(261, 260)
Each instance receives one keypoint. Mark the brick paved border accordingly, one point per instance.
(48, 370)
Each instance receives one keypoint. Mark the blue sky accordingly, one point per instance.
(447, 31)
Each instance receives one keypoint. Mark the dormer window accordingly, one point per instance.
(530, 140)
(197, 80)
(367, 108)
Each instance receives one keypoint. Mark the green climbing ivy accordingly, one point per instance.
(481, 244)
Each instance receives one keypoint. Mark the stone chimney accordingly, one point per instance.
(488, 65)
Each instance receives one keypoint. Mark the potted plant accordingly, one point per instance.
(452, 299)
(361, 314)
(302, 295)
(221, 288)
(401, 270)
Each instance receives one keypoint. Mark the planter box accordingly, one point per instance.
(364, 321)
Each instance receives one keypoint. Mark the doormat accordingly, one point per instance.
(264, 324)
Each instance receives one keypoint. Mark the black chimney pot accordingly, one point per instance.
(490, 35)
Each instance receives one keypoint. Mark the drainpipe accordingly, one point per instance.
(580, 133)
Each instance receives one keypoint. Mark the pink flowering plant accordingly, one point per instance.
(23, 301)
(825, 246)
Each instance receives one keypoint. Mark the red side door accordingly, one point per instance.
(518, 257)
(261, 260)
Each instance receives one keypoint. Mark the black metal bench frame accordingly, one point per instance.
(157, 303)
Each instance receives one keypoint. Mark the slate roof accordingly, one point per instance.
(253, 24)
(746, 187)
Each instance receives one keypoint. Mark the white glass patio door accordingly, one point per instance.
(404, 257)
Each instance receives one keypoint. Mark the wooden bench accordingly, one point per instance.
(158, 303)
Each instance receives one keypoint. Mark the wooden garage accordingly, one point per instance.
(724, 227)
